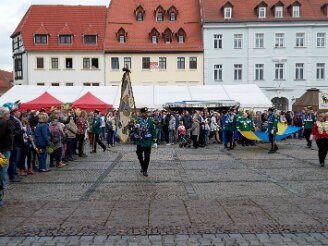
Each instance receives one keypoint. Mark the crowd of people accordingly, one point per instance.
(28, 138)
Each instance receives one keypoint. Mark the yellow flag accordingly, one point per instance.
(127, 107)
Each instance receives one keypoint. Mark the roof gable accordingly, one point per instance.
(139, 31)
(243, 11)
(57, 20)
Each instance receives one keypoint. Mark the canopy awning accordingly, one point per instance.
(45, 101)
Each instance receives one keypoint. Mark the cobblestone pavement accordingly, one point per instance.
(209, 196)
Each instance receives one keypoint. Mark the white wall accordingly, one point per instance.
(76, 75)
(248, 56)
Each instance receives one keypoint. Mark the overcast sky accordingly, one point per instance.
(12, 11)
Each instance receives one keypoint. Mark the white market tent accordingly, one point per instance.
(247, 95)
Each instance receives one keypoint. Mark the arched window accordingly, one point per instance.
(139, 12)
(167, 35)
(261, 9)
(154, 35)
(159, 11)
(173, 13)
(181, 36)
(121, 35)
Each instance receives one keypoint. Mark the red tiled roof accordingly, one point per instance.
(62, 19)
(244, 10)
(121, 14)
(6, 79)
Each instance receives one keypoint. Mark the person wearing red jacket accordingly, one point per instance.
(320, 135)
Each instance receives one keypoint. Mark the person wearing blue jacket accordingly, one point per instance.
(42, 141)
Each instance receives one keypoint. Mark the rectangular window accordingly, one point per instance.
(94, 63)
(122, 39)
(54, 63)
(259, 40)
(262, 12)
(280, 39)
(218, 72)
(39, 62)
(41, 39)
(18, 67)
(238, 71)
(193, 63)
(320, 71)
(259, 71)
(87, 84)
(40, 84)
(181, 39)
(139, 16)
(218, 41)
(95, 84)
(238, 41)
(160, 16)
(115, 63)
(296, 11)
(162, 63)
(279, 71)
(279, 12)
(173, 16)
(69, 63)
(299, 71)
(154, 39)
(65, 39)
(127, 62)
(69, 84)
(300, 39)
(86, 63)
(321, 39)
(227, 13)
(54, 84)
(167, 39)
(90, 39)
(145, 62)
(181, 63)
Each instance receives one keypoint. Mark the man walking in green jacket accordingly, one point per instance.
(96, 130)
(144, 135)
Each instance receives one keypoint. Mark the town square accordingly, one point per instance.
(163, 122)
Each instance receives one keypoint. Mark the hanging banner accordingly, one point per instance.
(323, 100)
(127, 107)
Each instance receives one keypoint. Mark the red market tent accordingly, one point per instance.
(45, 101)
(89, 102)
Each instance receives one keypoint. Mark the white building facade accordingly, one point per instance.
(60, 49)
(283, 58)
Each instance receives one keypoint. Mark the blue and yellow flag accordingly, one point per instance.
(284, 131)
(127, 107)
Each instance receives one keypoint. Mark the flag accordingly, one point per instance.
(126, 108)
(284, 131)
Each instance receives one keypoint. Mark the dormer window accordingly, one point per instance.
(325, 9)
(121, 35)
(65, 39)
(181, 35)
(139, 12)
(295, 9)
(261, 9)
(172, 12)
(40, 38)
(154, 34)
(262, 12)
(226, 10)
(167, 35)
(90, 39)
(227, 13)
(159, 11)
(279, 12)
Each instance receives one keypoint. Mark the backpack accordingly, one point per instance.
(54, 133)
